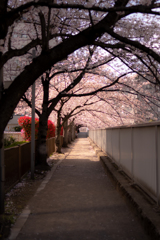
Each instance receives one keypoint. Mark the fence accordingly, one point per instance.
(136, 150)
(18, 161)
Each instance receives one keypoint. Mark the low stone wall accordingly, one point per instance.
(16, 135)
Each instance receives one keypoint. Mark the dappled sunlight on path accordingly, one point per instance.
(80, 202)
(82, 149)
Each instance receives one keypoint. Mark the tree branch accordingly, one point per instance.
(135, 44)
(25, 99)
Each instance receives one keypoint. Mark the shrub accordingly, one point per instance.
(51, 129)
(15, 144)
(25, 123)
(17, 128)
(9, 141)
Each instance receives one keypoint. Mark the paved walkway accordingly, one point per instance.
(77, 201)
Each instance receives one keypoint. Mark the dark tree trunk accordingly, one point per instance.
(58, 131)
(69, 134)
(3, 20)
(42, 145)
(72, 131)
(43, 125)
(65, 129)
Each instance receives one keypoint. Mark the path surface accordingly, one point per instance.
(79, 202)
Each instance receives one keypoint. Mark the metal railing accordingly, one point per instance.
(136, 150)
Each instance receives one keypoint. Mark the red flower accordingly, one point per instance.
(25, 123)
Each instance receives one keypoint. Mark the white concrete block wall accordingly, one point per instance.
(136, 150)
(16, 135)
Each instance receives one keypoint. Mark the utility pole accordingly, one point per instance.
(2, 169)
(33, 126)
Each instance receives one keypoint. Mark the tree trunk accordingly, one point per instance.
(42, 145)
(65, 129)
(72, 131)
(43, 125)
(3, 20)
(58, 131)
(69, 134)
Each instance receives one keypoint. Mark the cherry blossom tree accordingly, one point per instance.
(112, 106)
(49, 105)
(105, 24)
(58, 29)
(67, 81)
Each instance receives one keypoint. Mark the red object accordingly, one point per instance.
(25, 123)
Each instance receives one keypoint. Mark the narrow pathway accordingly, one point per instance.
(79, 202)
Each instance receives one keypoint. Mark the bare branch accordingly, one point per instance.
(25, 99)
